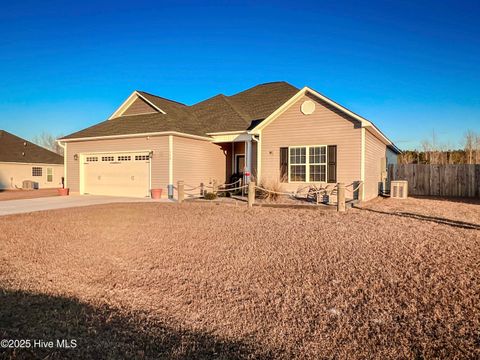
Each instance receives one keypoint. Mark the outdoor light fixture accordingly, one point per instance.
(75, 157)
(150, 154)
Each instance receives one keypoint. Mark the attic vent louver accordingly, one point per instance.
(308, 107)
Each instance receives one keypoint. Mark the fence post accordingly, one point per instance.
(341, 197)
(181, 191)
(251, 193)
(201, 189)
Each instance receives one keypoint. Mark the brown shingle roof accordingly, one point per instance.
(16, 149)
(217, 114)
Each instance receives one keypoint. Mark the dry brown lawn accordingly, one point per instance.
(206, 281)
(26, 194)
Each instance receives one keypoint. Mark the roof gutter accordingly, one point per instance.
(228, 132)
(365, 123)
(162, 133)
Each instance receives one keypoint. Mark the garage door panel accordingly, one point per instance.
(117, 174)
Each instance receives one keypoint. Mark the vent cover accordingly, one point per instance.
(308, 107)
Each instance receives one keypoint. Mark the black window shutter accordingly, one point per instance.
(332, 163)
(284, 164)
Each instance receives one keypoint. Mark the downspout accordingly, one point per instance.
(362, 165)
(170, 167)
(64, 147)
(258, 157)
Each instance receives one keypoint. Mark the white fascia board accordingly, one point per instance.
(107, 137)
(231, 138)
(28, 163)
(291, 101)
(277, 112)
(228, 132)
(133, 96)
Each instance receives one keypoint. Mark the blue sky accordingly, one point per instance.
(409, 66)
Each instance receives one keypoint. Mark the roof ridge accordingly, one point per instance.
(236, 109)
(259, 85)
(207, 99)
(160, 97)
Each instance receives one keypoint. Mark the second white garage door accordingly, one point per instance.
(119, 174)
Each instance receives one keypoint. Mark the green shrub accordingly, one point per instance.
(210, 196)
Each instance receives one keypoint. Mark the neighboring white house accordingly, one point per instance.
(22, 160)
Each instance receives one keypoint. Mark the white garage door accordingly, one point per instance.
(119, 174)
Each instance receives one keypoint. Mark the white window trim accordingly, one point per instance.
(307, 164)
(51, 169)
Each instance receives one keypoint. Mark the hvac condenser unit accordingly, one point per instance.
(399, 189)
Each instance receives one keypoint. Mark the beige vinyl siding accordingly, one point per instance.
(12, 175)
(139, 106)
(375, 150)
(197, 161)
(326, 126)
(157, 144)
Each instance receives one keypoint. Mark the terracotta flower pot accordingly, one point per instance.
(156, 193)
(63, 192)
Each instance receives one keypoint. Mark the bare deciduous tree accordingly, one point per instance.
(471, 145)
(49, 142)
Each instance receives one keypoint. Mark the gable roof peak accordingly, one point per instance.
(144, 93)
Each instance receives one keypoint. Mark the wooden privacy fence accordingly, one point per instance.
(438, 180)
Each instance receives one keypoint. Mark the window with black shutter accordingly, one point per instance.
(284, 164)
(332, 163)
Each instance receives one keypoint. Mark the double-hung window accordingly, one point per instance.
(298, 164)
(308, 164)
(49, 175)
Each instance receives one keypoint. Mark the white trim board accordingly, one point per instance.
(170, 160)
(29, 164)
(364, 122)
(161, 133)
(126, 104)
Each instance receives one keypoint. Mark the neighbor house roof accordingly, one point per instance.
(217, 114)
(16, 149)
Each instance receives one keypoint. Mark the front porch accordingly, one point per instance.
(240, 155)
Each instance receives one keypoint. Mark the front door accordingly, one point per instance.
(240, 164)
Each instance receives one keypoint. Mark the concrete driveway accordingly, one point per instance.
(9, 207)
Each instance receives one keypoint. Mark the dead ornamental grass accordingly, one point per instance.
(207, 281)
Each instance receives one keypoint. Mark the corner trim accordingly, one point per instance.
(362, 164)
(170, 160)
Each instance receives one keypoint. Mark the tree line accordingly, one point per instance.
(432, 152)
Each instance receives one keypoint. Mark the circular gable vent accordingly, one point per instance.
(308, 107)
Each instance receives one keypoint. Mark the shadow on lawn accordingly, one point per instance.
(102, 332)
(438, 220)
(461, 200)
